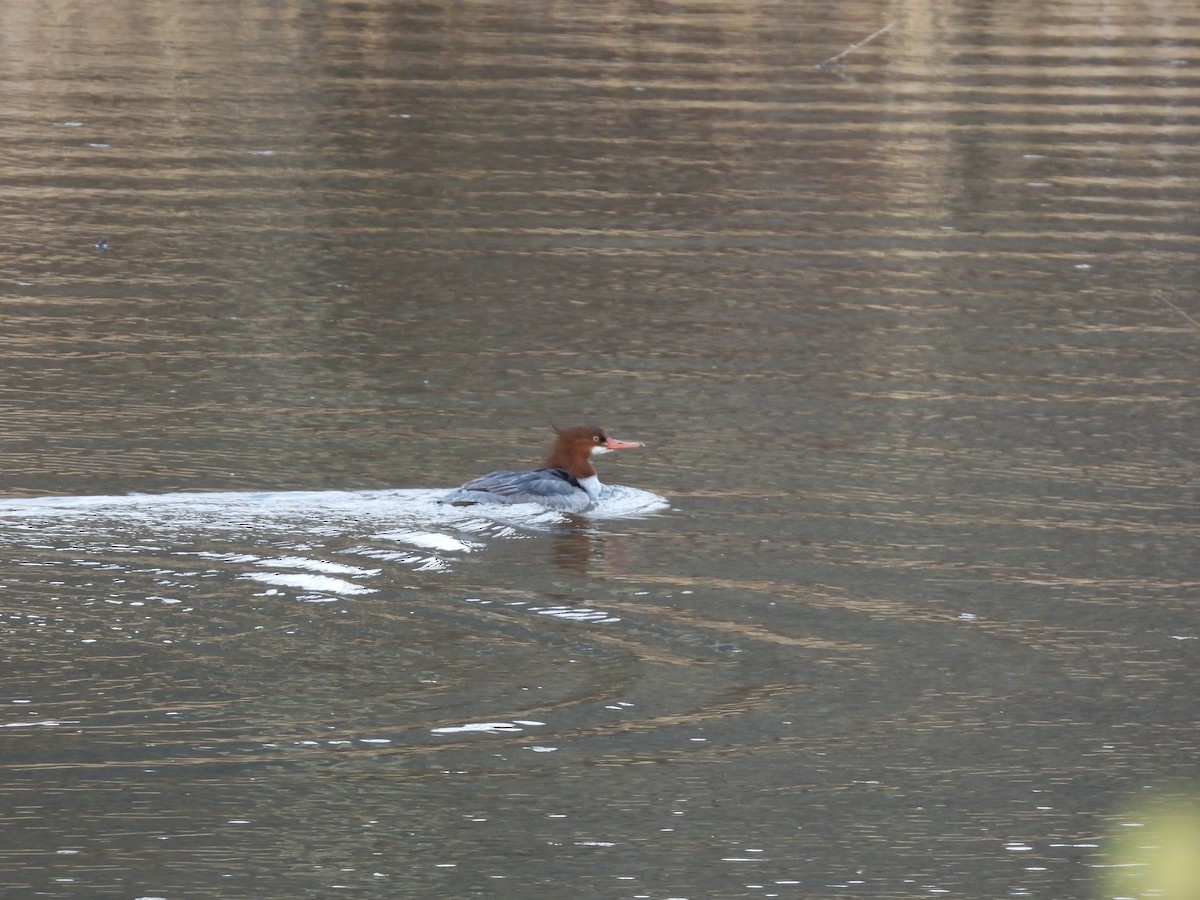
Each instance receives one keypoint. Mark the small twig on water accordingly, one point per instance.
(884, 30)
(1178, 310)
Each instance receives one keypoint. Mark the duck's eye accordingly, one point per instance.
(598, 438)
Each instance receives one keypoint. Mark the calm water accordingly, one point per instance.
(912, 340)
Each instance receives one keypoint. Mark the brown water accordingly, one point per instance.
(913, 340)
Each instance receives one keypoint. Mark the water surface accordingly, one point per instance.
(912, 339)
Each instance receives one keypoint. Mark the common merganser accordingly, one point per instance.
(567, 483)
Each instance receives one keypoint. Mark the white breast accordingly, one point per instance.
(592, 485)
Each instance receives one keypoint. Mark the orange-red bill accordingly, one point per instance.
(617, 444)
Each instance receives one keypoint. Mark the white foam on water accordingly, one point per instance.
(322, 584)
(406, 526)
(417, 508)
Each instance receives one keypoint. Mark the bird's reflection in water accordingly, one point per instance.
(585, 551)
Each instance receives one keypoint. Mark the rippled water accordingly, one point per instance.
(898, 601)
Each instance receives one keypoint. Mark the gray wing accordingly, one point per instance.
(552, 488)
